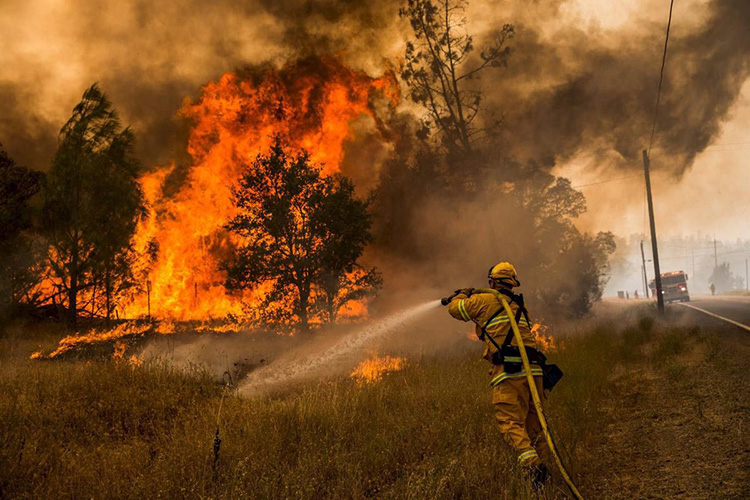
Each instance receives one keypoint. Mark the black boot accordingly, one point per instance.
(538, 476)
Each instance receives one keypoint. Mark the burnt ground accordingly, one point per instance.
(679, 416)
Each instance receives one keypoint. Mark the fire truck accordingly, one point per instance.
(674, 286)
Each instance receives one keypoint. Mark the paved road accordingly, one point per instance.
(734, 308)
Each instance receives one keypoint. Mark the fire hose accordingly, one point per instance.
(532, 387)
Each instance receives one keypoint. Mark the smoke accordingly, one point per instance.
(575, 89)
(571, 84)
(327, 358)
(149, 56)
(259, 362)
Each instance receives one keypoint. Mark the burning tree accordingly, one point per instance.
(311, 103)
(92, 204)
(303, 233)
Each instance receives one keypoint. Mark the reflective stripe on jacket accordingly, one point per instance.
(501, 375)
(479, 308)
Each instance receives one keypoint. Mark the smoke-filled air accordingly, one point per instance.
(272, 249)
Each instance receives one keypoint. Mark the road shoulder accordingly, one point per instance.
(678, 416)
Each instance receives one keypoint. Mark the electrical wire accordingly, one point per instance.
(661, 77)
(603, 182)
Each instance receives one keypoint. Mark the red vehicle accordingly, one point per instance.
(674, 286)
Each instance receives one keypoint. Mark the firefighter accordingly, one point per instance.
(514, 409)
(713, 289)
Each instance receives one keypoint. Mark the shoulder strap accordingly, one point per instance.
(518, 299)
(494, 315)
(485, 334)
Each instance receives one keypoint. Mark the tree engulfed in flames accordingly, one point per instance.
(309, 103)
(372, 369)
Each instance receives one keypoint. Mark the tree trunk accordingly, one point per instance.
(331, 303)
(73, 288)
(108, 293)
(304, 300)
(73, 297)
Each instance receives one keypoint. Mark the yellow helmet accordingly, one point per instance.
(505, 272)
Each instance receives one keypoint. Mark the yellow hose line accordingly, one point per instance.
(535, 394)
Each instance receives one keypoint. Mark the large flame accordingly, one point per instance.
(310, 104)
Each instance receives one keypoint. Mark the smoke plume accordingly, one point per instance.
(570, 85)
(596, 91)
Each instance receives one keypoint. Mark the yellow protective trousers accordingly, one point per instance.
(518, 420)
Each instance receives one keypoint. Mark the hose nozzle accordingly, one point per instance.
(447, 300)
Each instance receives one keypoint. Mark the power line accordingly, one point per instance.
(634, 252)
(661, 77)
(603, 182)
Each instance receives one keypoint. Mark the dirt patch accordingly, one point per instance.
(678, 420)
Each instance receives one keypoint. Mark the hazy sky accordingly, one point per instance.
(582, 79)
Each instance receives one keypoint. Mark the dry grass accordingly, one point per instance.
(102, 429)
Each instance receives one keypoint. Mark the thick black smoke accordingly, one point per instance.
(601, 92)
(149, 56)
(567, 89)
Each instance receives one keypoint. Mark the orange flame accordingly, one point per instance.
(544, 340)
(120, 348)
(310, 104)
(116, 335)
(372, 369)
(122, 336)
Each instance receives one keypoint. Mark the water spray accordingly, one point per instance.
(279, 373)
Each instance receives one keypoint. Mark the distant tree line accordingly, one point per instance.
(724, 280)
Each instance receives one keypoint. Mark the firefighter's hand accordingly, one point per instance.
(465, 291)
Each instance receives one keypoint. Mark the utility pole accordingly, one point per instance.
(643, 268)
(746, 276)
(716, 260)
(692, 252)
(654, 245)
(148, 290)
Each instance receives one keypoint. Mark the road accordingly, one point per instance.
(735, 308)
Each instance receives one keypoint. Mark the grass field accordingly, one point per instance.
(106, 429)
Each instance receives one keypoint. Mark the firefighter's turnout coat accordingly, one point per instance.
(511, 396)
